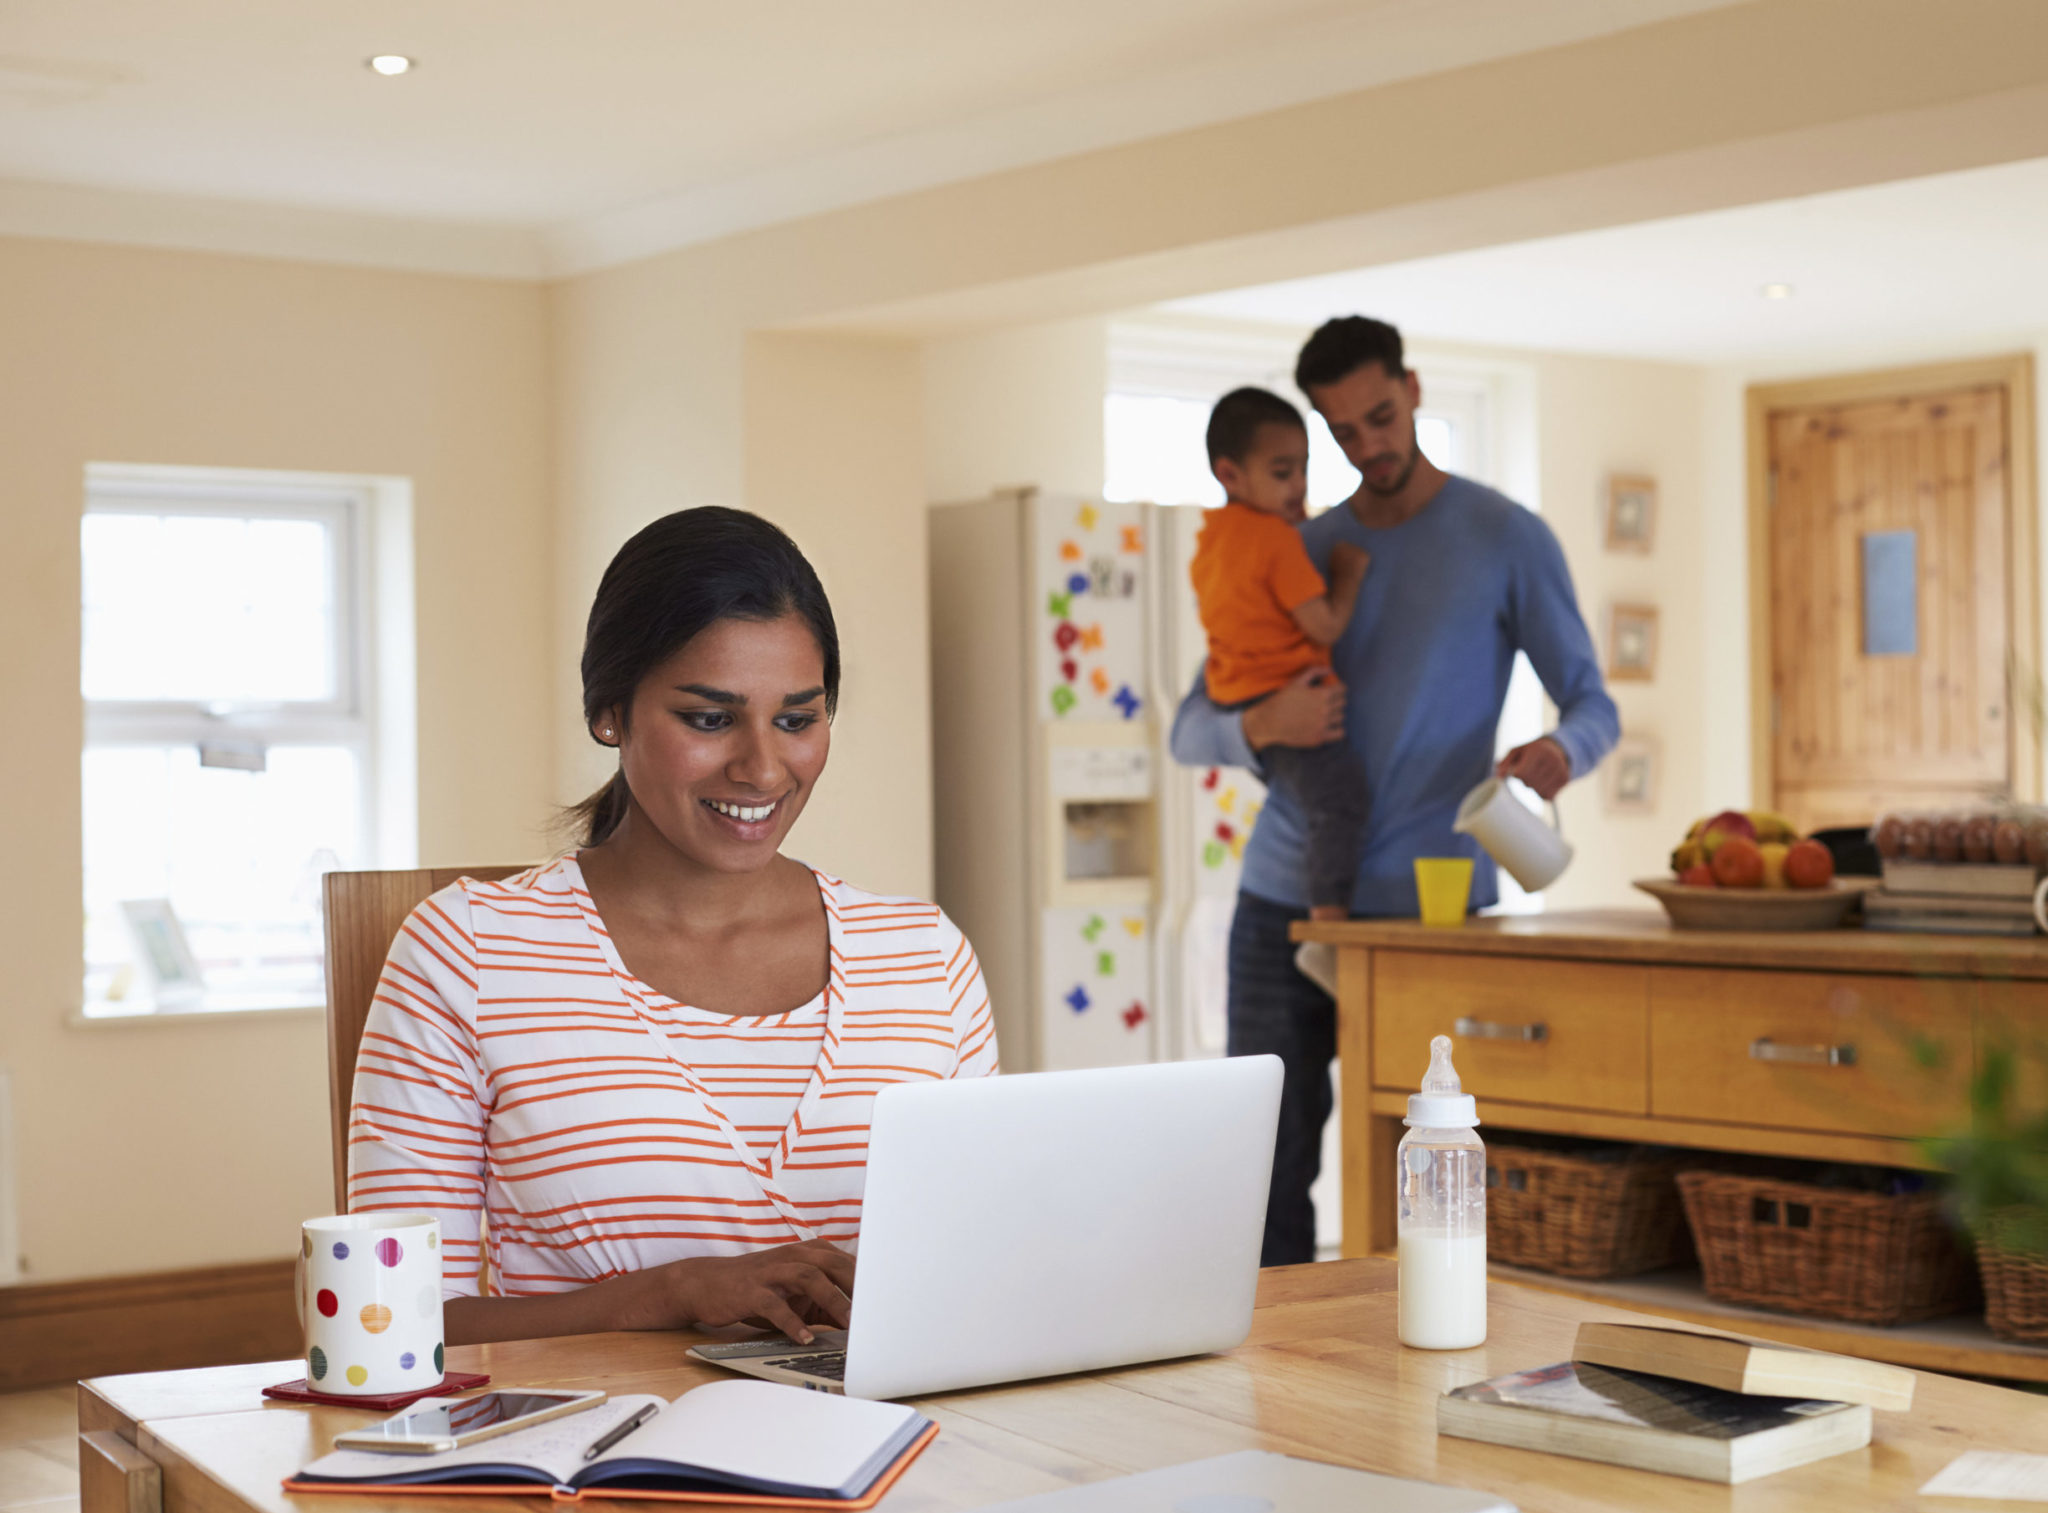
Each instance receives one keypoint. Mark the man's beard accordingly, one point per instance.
(1400, 479)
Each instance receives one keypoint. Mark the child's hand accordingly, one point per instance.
(1348, 563)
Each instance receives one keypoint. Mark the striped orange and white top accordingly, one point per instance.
(518, 1081)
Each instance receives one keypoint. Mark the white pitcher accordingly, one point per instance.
(1534, 853)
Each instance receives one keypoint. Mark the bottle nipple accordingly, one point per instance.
(1442, 1077)
(1443, 1103)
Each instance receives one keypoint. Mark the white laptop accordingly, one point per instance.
(1026, 1226)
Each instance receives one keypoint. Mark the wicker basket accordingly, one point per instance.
(1873, 1258)
(2015, 1290)
(1610, 1213)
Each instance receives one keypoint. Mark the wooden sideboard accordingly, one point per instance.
(1841, 1045)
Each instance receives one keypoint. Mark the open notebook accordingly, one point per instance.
(734, 1442)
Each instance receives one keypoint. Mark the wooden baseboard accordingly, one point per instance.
(58, 1332)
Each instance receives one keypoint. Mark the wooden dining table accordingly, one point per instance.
(1321, 1376)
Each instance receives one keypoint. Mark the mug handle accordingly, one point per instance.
(2041, 904)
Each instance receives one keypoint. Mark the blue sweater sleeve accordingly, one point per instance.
(1548, 626)
(1205, 735)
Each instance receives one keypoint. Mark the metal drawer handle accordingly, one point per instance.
(1487, 1029)
(1767, 1049)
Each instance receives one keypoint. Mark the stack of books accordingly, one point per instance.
(1708, 1406)
(1952, 898)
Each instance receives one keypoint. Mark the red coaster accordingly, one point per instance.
(386, 1402)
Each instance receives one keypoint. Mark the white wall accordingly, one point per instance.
(1597, 417)
(1017, 405)
(164, 1143)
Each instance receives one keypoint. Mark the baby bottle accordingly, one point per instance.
(1440, 1171)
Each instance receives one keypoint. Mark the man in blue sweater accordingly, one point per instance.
(1462, 578)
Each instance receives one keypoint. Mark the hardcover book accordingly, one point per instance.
(1630, 1418)
(1717, 1360)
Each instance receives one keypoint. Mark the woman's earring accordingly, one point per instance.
(605, 734)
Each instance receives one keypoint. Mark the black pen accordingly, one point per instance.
(613, 1436)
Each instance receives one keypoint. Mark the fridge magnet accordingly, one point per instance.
(1126, 702)
(1092, 931)
(1136, 927)
(1210, 779)
(1063, 699)
(1064, 635)
(1214, 853)
(1091, 638)
(1134, 1015)
(1632, 642)
(1078, 1000)
(1105, 963)
(1632, 776)
(1077, 583)
(1226, 800)
(1087, 517)
(1099, 681)
(1631, 513)
(1133, 541)
(1059, 606)
(1070, 551)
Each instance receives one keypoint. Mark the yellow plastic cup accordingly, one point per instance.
(1444, 884)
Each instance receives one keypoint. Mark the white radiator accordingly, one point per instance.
(10, 1224)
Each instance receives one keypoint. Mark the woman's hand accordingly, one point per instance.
(788, 1288)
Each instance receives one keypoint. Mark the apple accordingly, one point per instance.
(1698, 875)
(1809, 864)
(1733, 822)
(1738, 863)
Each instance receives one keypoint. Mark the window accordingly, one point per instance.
(235, 748)
(1165, 374)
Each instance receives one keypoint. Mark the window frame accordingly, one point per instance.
(371, 709)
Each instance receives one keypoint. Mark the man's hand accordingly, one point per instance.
(788, 1288)
(1307, 710)
(1541, 764)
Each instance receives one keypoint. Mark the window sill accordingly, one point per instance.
(211, 1009)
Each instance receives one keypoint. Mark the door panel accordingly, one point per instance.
(1920, 715)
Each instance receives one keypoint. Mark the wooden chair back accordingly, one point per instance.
(364, 912)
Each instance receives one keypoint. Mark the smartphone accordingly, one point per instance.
(437, 1424)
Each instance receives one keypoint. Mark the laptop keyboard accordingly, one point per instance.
(831, 1365)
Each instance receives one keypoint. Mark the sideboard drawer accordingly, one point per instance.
(2013, 1017)
(1809, 1050)
(1568, 1033)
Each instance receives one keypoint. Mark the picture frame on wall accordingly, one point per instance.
(1632, 643)
(1631, 776)
(1631, 513)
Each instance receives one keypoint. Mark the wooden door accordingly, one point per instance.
(1896, 603)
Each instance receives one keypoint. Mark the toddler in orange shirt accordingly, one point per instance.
(1269, 615)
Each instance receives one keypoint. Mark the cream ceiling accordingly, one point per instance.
(1944, 264)
(573, 135)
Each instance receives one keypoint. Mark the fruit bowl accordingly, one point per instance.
(1697, 908)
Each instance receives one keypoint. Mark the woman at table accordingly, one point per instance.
(635, 1083)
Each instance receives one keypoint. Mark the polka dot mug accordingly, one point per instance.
(370, 1302)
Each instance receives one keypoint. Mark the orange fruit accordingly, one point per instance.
(1738, 863)
(1809, 864)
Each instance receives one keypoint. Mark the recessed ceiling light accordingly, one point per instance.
(390, 65)
(1776, 291)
